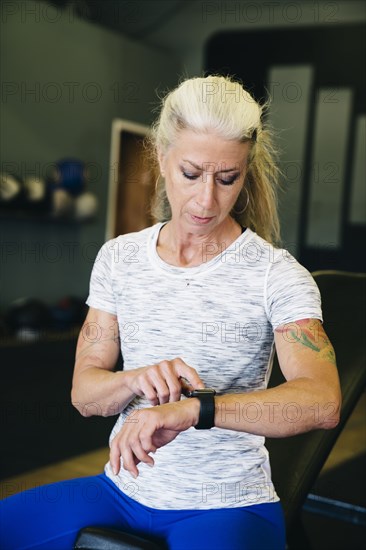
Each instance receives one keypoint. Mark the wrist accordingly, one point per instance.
(207, 406)
(196, 408)
(193, 407)
(129, 381)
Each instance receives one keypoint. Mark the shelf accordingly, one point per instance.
(7, 341)
(40, 217)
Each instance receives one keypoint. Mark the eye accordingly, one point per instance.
(229, 181)
(189, 176)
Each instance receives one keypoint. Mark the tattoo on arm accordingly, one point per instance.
(315, 340)
(330, 355)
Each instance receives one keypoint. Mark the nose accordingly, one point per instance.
(206, 196)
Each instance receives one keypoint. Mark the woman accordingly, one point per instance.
(197, 302)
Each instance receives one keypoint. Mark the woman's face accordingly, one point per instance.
(204, 175)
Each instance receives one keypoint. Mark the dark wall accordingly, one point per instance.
(327, 232)
(39, 425)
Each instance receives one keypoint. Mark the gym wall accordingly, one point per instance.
(64, 80)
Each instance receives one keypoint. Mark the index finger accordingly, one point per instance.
(188, 376)
(185, 385)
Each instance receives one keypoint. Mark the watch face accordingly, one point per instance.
(202, 391)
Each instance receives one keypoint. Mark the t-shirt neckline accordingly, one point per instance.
(203, 268)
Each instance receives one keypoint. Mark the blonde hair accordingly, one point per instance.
(221, 104)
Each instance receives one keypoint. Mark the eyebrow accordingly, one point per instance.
(218, 171)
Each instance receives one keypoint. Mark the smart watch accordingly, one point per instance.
(206, 418)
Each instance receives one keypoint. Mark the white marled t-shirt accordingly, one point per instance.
(219, 318)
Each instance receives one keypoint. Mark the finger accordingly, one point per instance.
(142, 455)
(171, 382)
(149, 391)
(146, 442)
(129, 461)
(185, 385)
(136, 452)
(161, 387)
(188, 374)
(115, 458)
(175, 389)
(159, 382)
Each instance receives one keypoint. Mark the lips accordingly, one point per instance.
(200, 220)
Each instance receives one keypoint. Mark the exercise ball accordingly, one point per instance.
(35, 189)
(86, 206)
(36, 197)
(10, 189)
(62, 203)
(70, 175)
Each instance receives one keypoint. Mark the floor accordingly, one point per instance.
(351, 443)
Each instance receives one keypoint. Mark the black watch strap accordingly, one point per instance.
(206, 418)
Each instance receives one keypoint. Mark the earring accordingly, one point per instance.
(246, 205)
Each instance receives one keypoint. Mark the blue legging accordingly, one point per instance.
(50, 516)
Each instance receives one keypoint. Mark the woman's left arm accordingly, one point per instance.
(309, 399)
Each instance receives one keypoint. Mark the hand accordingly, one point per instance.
(146, 430)
(163, 382)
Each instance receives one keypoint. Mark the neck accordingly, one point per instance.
(186, 249)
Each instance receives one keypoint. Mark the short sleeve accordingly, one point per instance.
(291, 292)
(101, 295)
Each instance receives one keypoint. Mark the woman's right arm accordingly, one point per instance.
(97, 389)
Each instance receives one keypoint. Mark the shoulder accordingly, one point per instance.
(259, 252)
(285, 272)
(128, 245)
(137, 236)
(291, 292)
(285, 268)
